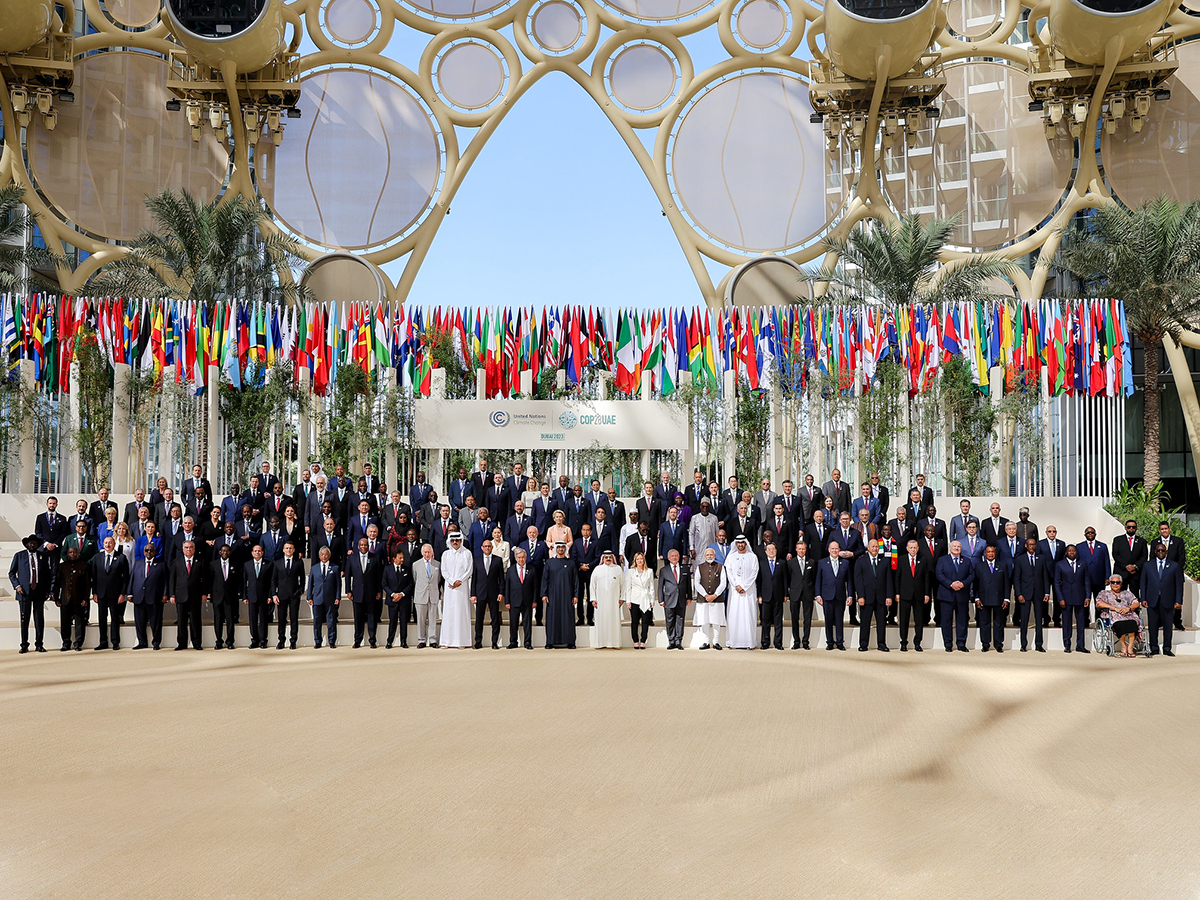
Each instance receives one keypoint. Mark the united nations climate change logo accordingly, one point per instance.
(499, 418)
(568, 419)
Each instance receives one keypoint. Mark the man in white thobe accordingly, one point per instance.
(607, 589)
(741, 613)
(457, 565)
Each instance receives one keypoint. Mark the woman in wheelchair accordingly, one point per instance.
(1120, 608)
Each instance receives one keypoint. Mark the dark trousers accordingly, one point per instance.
(991, 625)
(225, 616)
(794, 609)
(1159, 617)
(1077, 613)
(148, 616)
(584, 613)
(289, 611)
(916, 611)
(36, 610)
(772, 615)
(518, 617)
(954, 622)
(187, 622)
(1036, 609)
(365, 619)
(492, 607)
(325, 615)
(640, 618)
(835, 618)
(398, 614)
(103, 609)
(73, 616)
(260, 623)
(866, 612)
(675, 616)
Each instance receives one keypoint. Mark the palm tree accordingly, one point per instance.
(205, 253)
(19, 263)
(899, 263)
(1149, 259)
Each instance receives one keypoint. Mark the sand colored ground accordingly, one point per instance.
(656, 774)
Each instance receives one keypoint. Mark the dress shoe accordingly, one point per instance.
(717, 647)
(805, 645)
(999, 649)
(279, 646)
(1066, 649)
(373, 645)
(64, 648)
(478, 645)
(1040, 649)
(904, 648)
(403, 645)
(23, 650)
(841, 646)
(884, 649)
(1153, 652)
(706, 646)
(332, 645)
(862, 649)
(80, 647)
(1168, 653)
(388, 646)
(40, 649)
(510, 646)
(228, 646)
(572, 647)
(964, 649)
(1083, 650)
(220, 646)
(292, 645)
(316, 646)
(918, 648)
(795, 646)
(357, 645)
(433, 644)
(495, 646)
(986, 648)
(181, 648)
(949, 649)
(101, 647)
(529, 646)
(421, 645)
(829, 645)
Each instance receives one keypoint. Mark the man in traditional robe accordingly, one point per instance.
(607, 589)
(741, 609)
(560, 591)
(708, 587)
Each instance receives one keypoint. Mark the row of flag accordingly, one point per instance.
(1083, 345)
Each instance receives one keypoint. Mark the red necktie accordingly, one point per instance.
(912, 563)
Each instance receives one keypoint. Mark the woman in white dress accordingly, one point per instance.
(708, 587)
(500, 547)
(607, 590)
(639, 594)
(741, 608)
(457, 565)
(124, 541)
(530, 494)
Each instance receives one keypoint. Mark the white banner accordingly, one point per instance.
(543, 424)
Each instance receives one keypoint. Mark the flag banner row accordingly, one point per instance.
(1080, 346)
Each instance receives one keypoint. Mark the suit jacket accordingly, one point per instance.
(589, 557)
(439, 537)
(851, 540)
(520, 594)
(489, 586)
(926, 498)
(256, 500)
(735, 526)
(833, 588)
(633, 546)
(990, 533)
(665, 493)
(792, 509)
(818, 544)
(947, 572)
(802, 584)
(910, 586)
(19, 575)
(727, 507)
(459, 492)
(650, 512)
(1162, 593)
(785, 534)
(1070, 585)
(596, 502)
(224, 589)
(480, 482)
(231, 508)
(187, 586)
(1031, 580)
(693, 494)
(51, 528)
(672, 539)
(1052, 559)
(809, 505)
(313, 518)
(773, 587)
(108, 585)
(257, 587)
(881, 494)
(578, 514)
(397, 582)
(190, 485)
(514, 527)
(418, 494)
(1005, 554)
(871, 505)
(425, 586)
(992, 586)
(199, 510)
(939, 528)
(672, 594)
(148, 584)
(300, 498)
(356, 530)
(498, 502)
(287, 581)
(131, 512)
(606, 539)
(272, 544)
(840, 493)
(764, 503)
(276, 505)
(337, 548)
(87, 547)
(96, 512)
(324, 588)
(161, 512)
(958, 527)
(902, 532)
(389, 513)
(543, 508)
(363, 584)
(1175, 550)
(617, 520)
(975, 554)
(479, 532)
(1095, 560)
(873, 586)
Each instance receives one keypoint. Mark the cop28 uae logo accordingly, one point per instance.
(568, 419)
(499, 418)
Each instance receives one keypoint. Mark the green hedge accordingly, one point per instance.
(1148, 507)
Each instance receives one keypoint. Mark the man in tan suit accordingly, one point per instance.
(427, 576)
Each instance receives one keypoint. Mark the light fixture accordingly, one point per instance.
(66, 97)
(293, 112)
(216, 117)
(174, 105)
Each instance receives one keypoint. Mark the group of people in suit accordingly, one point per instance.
(380, 550)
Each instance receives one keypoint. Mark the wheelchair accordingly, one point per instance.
(1104, 641)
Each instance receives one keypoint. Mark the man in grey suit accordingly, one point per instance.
(672, 596)
(958, 525)
(764, 500)
(427, 576)
(838, 490)
(324, 596)
(1162, 593)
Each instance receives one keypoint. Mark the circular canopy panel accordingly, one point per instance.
(556, 25)
(1164, 158)
(116, 144)
(643, 77)
(747, 165)
(972, 19)
(987, 160)
(766, 282)
(761, 24)
(658, 10)
(470, 75)
(459, 9)
(362, 165)
(350, 23)
(217, 20)
(133, 13)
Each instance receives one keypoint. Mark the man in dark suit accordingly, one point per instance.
(1094, 556)
(480, 531)
(1009, 546)
(873, 589)
(577, 510)
(134, 506)
(802, 582)
(838, 490)
(880, 493)
(300, 494)
(866, 501)
(816, 535)
(992, 584)
(728, 505)
(903, 528)
(520, 591)
(52, 529)
(782, 526)
(197, 480)
(148, 583)
(256, 499)
(811, 499)
(850, 542)
(1054, 550)
(586, 553)
(1031, 580)
(543, 509)
(487, 593)
(328, 537)
(32, 581)
(324, 596)
(390, 512)
(930, 518)
(460, 488)
(96, 510)
(110, 578)
(649, 510)
(954, 575)
(991, 529)
(695, 492)
(924, 496)
(1175, 553)
(834, 592)
(359, 523)
(744, 522)
(248, 529)
(516, 524)
(644, 543)
(439, 535)
(277, 502)
(958, 525)
(397, 596)
(597, 499)
(498, 501)
(418, 494)
(672, 535)
(272, 540)
(480, 482)
(1162, 593)
(161, 511)
(772, 596)
(1071, 594)
(665, 491)
(226, 577)
(603, 532)
(364, 587)
(913, 592)
(616, 516)
(673, 597)
(200, 507)
(256, 594)
(231, 506)
(536, 553)
(287, 589)
(188, 591)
